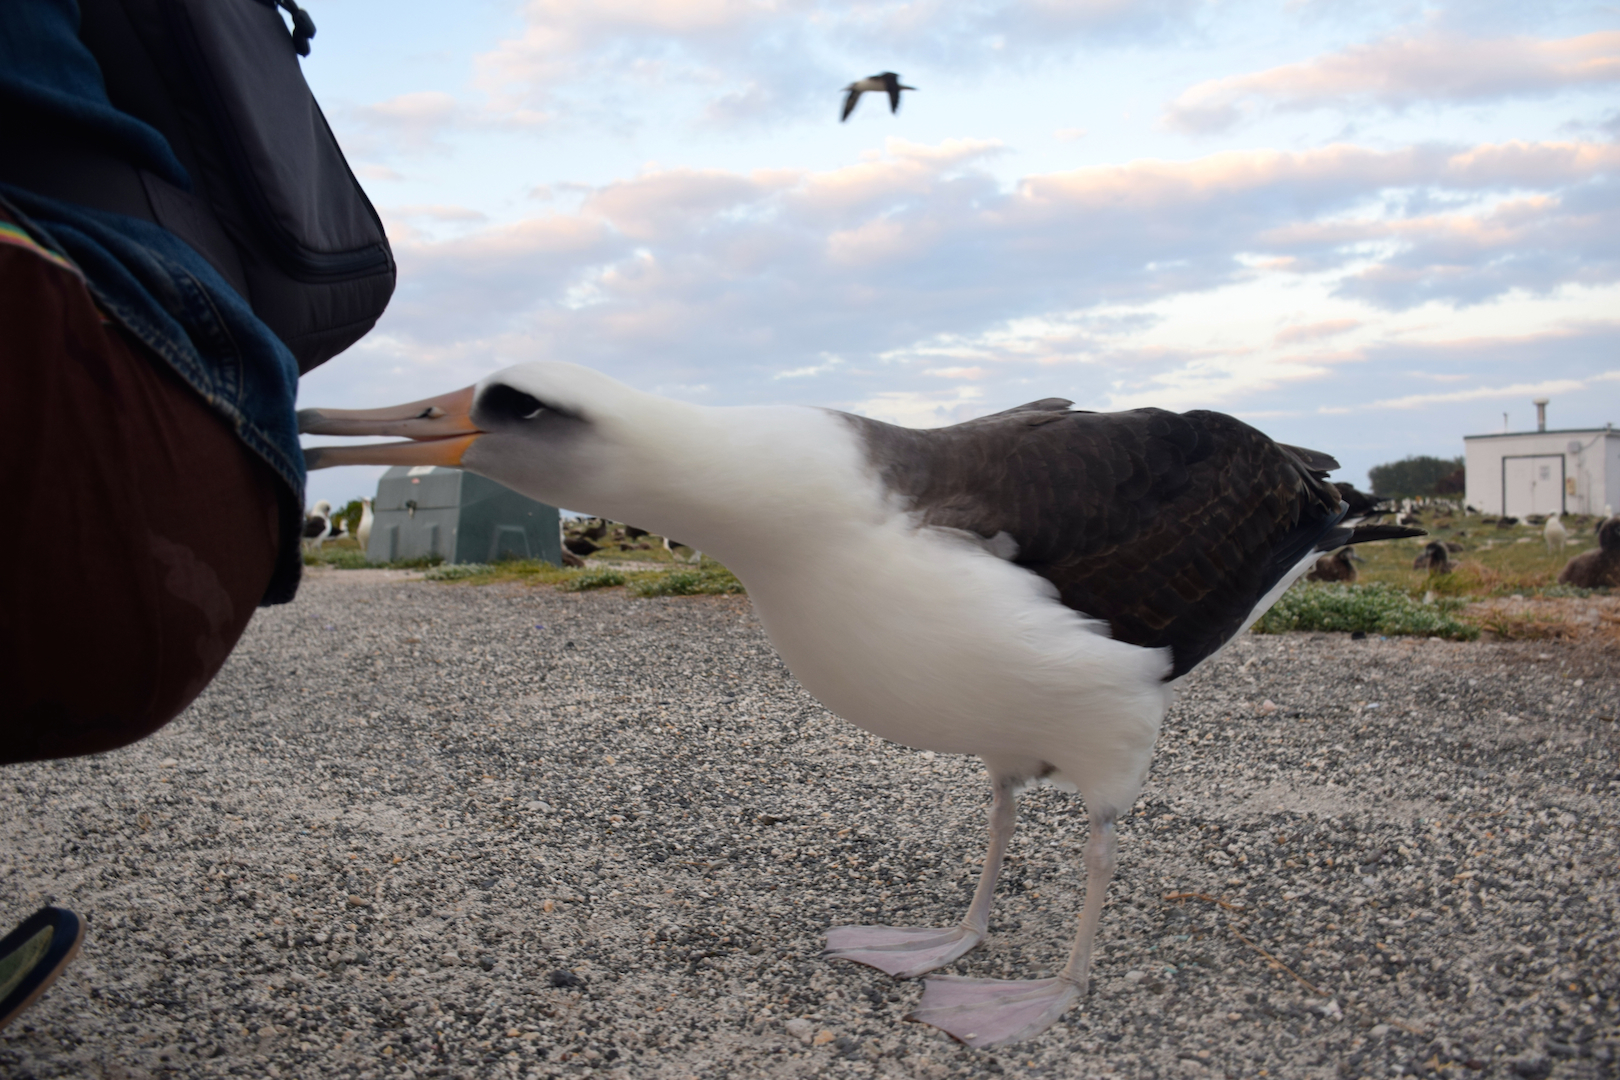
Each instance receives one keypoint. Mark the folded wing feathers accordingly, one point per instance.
(1170, 527)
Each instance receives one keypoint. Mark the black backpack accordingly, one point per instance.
(274, 206)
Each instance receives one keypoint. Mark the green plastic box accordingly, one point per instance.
(430, 510)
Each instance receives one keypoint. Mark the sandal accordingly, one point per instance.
(33, 955)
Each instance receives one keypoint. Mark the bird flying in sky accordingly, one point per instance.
(887, 81)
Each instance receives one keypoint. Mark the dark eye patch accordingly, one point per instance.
(509, 403)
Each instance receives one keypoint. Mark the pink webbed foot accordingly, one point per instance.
(985, 1012)
(902, 951)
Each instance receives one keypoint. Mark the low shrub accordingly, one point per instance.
(354, 559)
(1571, 592)
(715, 581)
(457, 572)
(605, 578)
(1371, 609)
(1526, 626)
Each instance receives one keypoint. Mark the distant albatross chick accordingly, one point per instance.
(1596, 569)
(887, 82)
(1340, 566)
(1435, 558)
(1027, 587)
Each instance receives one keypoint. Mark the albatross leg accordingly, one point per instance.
(984, 1012)
(906, 951)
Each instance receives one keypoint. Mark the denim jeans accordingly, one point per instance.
(171, 300)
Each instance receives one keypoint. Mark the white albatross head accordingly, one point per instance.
(556, 432)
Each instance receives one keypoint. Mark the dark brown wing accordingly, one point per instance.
(1319, 463)
(1169, 527)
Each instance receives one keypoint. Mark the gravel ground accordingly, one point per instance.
(421, 829)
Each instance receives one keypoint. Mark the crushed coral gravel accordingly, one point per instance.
(421, 829)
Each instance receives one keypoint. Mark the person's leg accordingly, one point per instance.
(142, 531)
(142, 535)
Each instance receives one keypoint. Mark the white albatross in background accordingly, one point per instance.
(362, 531)
(1555, 534)
(1026, 587)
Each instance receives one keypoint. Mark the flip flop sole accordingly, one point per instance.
(33, 955)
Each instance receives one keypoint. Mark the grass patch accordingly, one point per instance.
(339, 560)
(710, 581)
(527, 571)
(1572, 592)
(601, 578)
(1475, 578)
(1371, 609)
(457, 572)
(347, 555)
(1526, 626)
(1493, 562)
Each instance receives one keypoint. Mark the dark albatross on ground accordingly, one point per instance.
(317, 526)
(1027, 587)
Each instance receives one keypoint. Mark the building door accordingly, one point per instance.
(1533, 485)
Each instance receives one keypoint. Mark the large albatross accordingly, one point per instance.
(1027, 587)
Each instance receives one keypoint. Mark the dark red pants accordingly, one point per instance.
(139, 533)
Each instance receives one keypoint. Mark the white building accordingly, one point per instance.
(1544, 472)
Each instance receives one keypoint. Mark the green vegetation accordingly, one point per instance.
(346, 555)
(1391, 598)
(1492, 561)
(646, 572)
(350, 516)
(637, 575)
(456, 572)
(1413, 477)
(600, 578)
(1371, 609)
(711, 580)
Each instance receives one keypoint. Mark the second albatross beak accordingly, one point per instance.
(440, 430)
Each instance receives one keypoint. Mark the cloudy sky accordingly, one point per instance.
(1367, 228)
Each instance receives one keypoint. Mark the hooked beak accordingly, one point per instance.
(440, 430)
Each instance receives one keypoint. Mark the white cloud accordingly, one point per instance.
(1291, 335)
(918, 257)
(421, 124)
(1523, 391)
(436, 212)
(411, 123)
(1430, 65)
